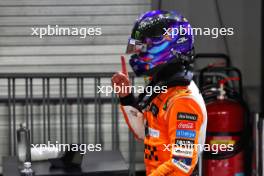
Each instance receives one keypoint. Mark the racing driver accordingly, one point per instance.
(171, 123)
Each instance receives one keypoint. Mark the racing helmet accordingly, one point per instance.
(160, 38)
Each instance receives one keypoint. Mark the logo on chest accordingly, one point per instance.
(185, 134)
(153, 132)
(185, 125)
(186, 116)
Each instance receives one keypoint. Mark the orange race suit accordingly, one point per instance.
(171, 122)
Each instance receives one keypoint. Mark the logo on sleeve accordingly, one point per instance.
(182, 152)
(186, 161)
(186, 116)
(185, 168)
(185, 125)
(185, 134)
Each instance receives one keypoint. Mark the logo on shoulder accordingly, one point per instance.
(186, 116)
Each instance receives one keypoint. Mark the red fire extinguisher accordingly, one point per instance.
(226, 133)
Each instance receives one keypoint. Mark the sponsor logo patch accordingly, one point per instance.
(185, 168)
(183, 152)
(186, 161)
(185, 134)
(181, 40)
(186, 125)
(186, 116)
(154, 109)
(153, 133)
(165, 106)
(184, 143)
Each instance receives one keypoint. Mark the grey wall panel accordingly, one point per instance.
(64, 40)
(62, 50)
(61, 68)
(21, 52)
(72, 10)
(244, 46)
(243, 16)
(26, 30)
(67, 20)
(59, 60)
(71, 2)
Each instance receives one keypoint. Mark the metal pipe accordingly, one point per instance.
(31, 110)
(58, 75)
(46, 100)
(82, 110)
(99, 115)
(262, 56)
(65, 111)
(200, 165)
(26, 97)
(78, 110)
(132, 146)
(257, 144)
(113, 122)
(14, 114)
(9, 118)
(95, 111)
(44, 109)
(48, 107)
(261, 143)
(131, 154)
(55, 100)
(61, 117)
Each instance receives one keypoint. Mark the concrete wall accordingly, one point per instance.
(244, 46)
(21, 52)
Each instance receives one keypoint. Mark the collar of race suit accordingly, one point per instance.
(174, 80)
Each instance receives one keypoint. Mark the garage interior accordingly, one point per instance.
(50, 83)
